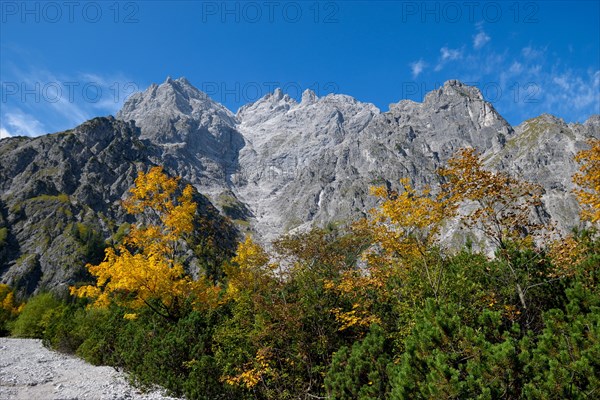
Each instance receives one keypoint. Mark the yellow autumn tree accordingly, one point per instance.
(501, 206)
(407, 226)
(145, 269)
(568, 252)
(9, 307)
(405, 229)
(408, 222)
(588, 179)
(250, 281)
(250, 269)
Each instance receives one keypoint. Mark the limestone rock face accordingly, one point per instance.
(291, 155)
(277, 165)
(542, 151)
(314, 161)
(194, 135)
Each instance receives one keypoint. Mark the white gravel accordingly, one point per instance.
(29, 371)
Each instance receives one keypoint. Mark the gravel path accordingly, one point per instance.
(29, 371)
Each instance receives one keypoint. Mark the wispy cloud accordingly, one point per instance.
(480, 39)
(522, 82)
(450, 54)
(60, 100)
(446, 55)
(19, 123)
(417, 67)
(516, 68)
(577, 92)
(531, 53)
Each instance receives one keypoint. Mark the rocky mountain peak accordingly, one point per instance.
(278, 96)
(267, 107)
(594, 120)
(182, 87)
(173, 101)
(454, 91)
(547, 118)
(197, 136)
(450, 117)
(308, 97)
(540, 126)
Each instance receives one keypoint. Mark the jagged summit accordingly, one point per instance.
(184, 88)
(267, 107)
(299, 161)
(455, 86)
(197, 135)
(277, 105)
(308, 97)
(164, 111)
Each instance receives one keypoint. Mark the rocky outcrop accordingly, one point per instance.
(542, 151)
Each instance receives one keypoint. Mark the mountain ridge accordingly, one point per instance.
(296, 158)
(275, 166)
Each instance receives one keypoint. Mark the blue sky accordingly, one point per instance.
(62, 63)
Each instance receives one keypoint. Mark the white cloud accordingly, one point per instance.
(450, 54)
(61, 101)
(562, 82)
(480, 39)
(4, 133)
(575, 92)
(446, 55)
(417, 67)
(516, 68)
(530, 53)
(22, 124)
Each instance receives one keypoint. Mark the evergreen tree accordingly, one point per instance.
(360, 372)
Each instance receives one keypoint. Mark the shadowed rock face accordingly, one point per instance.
(52, 183)
(277, 165)
(60, 200)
